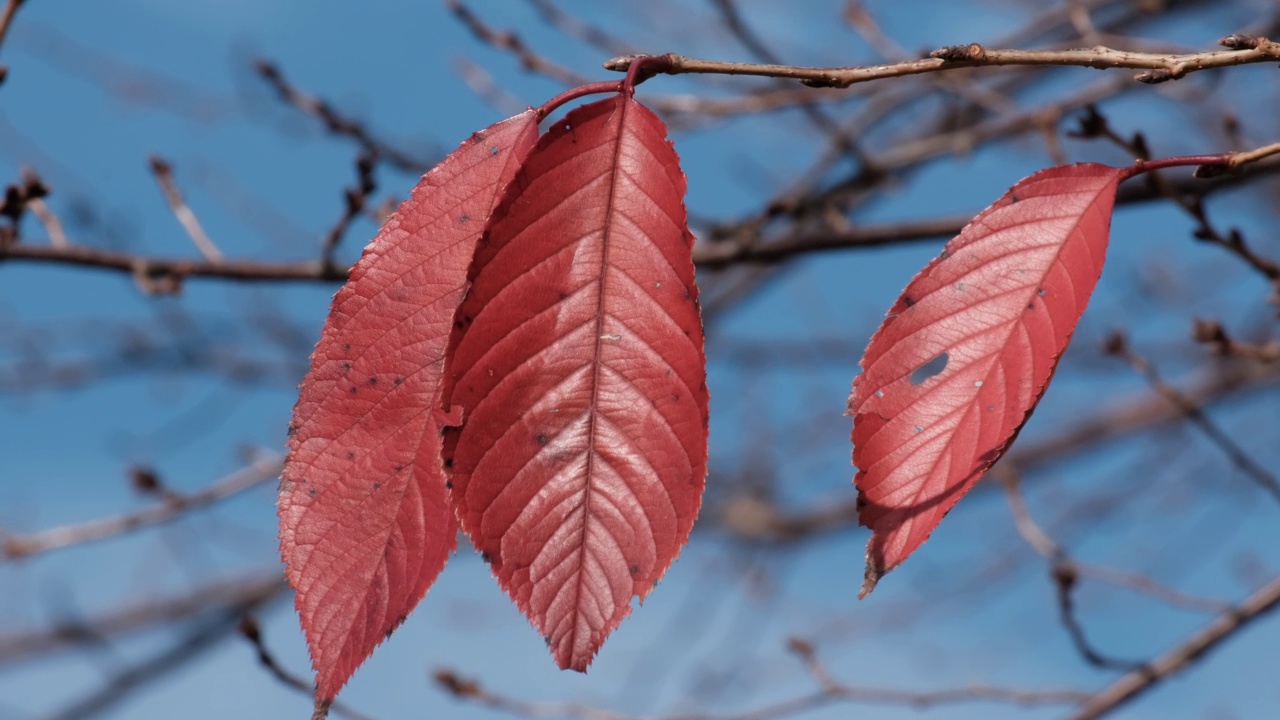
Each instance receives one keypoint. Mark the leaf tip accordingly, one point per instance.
(871, 576)
(322, 708)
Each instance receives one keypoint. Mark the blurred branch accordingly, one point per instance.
(831, 691)
(158, 274)
(767, 522)
(234, 597)
(6, 19)
(1063, 563)
(1158, 67)
(355, 198)
(252, 631)
(1183, 656)
(1118, 346)
(335, 122)
(16, 547)
(163, 172)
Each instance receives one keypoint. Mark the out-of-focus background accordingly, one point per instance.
(142, 413)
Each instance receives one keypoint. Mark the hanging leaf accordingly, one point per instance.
(365, 520)
(966, 352)
(578, 364)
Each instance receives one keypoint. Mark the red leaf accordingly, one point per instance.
(579, 468)
(365, 520)
(965, 353)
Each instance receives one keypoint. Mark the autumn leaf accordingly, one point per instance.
(578, 470)
(966, 352)
(365, 521)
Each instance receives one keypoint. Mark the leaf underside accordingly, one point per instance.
(365, 521)
(964, 355)
(578, 363)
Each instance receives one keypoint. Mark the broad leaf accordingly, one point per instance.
(965, 353)
(365, 520)
(578, 364)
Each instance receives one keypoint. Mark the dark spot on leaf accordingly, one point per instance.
(354, 390)
(486, 557)
(399, 468)
(346, 347)
(635, 569)
(458, 324)
(1013, 198)
(346, 366)
(373, 381)
(313, 492)
(861, 503)
(464, 218)
(547, 639)
(930, 369)
(564, 296)
(399, 380)
(944, 254)
(448, 462)
(541, 439)
(493, 150)
(377, 485)
(477, 137)
(1040, 292)
(675, 397)
(293, 430)
(1031, 306)
(908, 301)
(448, 484)
(351, 455)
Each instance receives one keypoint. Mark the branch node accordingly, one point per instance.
(973, 52)
(1240, 41)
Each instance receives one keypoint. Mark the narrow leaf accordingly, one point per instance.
(966, 352)
(365, 520)
(578, 363)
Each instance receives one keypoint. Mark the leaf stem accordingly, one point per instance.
(572, 94)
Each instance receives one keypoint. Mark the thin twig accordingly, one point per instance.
(163, 172)
(1117, 345)
(252, 631)
(1185, 654)
(831, 691)
(261, 471)
(237, 595)
(1048, 548)
(1157, 67)
(36, 191)
(335, 122)
(354, 198)
(6, 19)
(1143, 412)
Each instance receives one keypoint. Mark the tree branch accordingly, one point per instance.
(1142, 679)
(14, 547)
(1158, 67)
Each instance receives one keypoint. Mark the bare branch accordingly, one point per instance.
(252, 631)
(14, 547)
(1181, 657)
(1157, 67)
(335, 122)
(1118, 346)
(163, 172)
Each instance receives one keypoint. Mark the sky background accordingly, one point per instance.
(95, 88)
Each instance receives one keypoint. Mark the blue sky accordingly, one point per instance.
(267, 183)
